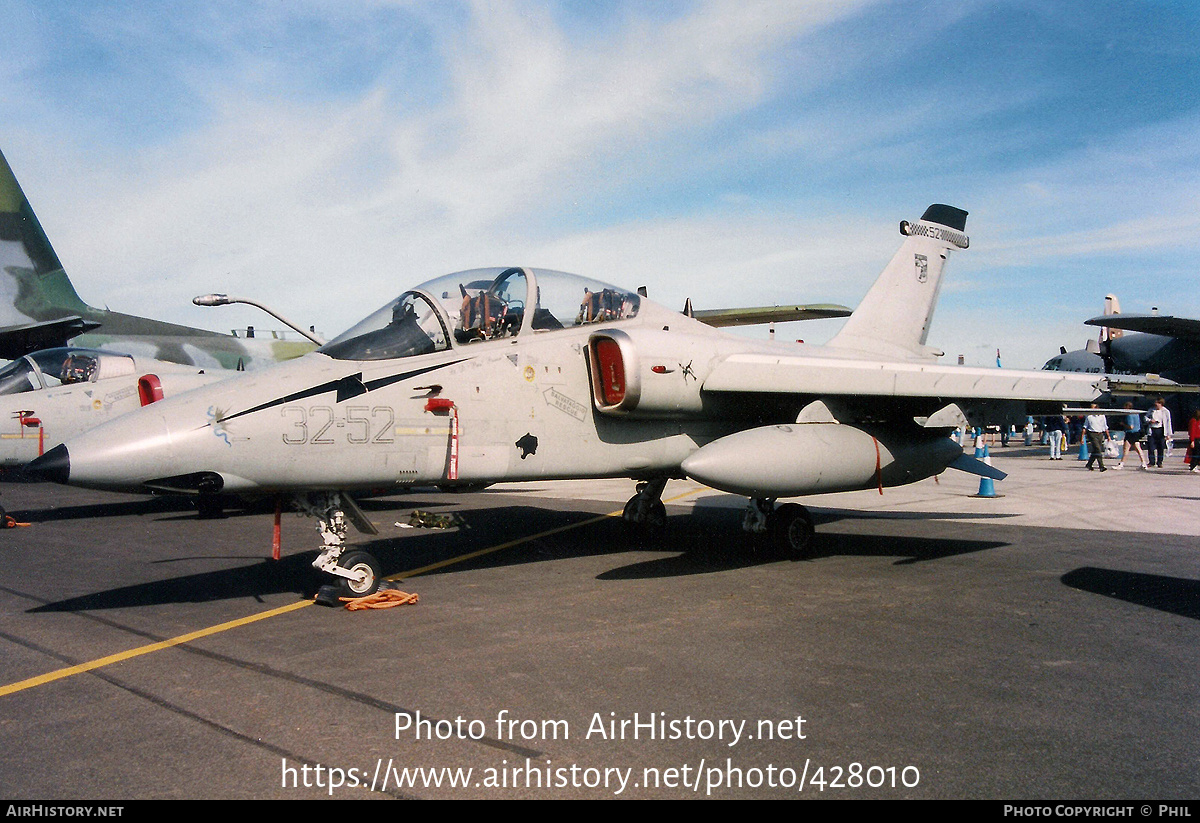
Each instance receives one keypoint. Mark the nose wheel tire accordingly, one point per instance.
(365, 569)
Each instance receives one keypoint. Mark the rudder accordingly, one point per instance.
(33, 285)
(893, 318)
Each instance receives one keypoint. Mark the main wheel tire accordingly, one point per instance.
(656, 518)
(364, 564)
(630, 508)
(654, 523)
(792, 530)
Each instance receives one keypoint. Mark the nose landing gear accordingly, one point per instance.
(358, 572)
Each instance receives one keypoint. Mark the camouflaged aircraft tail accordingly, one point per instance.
(34, 286)
(39, 308)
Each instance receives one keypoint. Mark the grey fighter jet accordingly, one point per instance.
(40, 309)
(514, 374)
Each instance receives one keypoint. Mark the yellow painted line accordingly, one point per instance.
(99, 663)
(153, 647)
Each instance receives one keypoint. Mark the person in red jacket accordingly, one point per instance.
(1194, 440)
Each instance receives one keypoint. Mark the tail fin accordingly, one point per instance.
(33, 286)
(1111, 306)
(39, 307)
(893, 319)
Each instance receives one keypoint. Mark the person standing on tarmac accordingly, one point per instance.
(1056, 431)
(1134, 430)
(1095, 429)
(1160, 432)
(1194, 440)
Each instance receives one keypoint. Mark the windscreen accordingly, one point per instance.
(407, 327)
(480, 305)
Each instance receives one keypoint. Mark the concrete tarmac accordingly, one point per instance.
(1039, 645)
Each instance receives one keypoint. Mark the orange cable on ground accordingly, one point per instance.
(383, 599)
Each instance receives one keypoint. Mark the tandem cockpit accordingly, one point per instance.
(480, 305)
(51, 368)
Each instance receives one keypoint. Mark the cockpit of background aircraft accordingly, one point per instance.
(50, 368)
(480, 305)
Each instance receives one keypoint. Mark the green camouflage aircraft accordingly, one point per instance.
(40, 309)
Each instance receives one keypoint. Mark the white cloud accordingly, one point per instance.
(370, 193)
(508, 137)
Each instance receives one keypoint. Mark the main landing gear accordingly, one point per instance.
(788, 528)
(358, 572)
(645, 512)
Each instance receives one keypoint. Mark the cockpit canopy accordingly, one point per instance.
(480, 305)
(50, 368)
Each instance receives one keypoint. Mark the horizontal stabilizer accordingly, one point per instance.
(1181, 328)
(756, 315)
(973, 465)
(17, 341)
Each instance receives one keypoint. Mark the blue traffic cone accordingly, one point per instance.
(987, 486)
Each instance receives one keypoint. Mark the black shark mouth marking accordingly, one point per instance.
(345, 387)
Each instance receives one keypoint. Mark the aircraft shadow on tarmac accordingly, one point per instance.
(293, 573)
(707, 556)
(410, 550)
(169, 508)
(690, 542)
(1176, 595)
(823, 515)
(127, 508)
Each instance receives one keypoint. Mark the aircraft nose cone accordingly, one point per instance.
(54, 465)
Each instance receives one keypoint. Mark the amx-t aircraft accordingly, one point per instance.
(516, 374)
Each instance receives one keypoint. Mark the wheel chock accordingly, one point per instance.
(328, 596)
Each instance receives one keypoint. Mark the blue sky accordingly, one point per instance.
(323, 158)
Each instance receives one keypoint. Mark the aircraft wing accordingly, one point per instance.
(17, 341)
(1182, 328)
(819, 376)
(769, 314)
